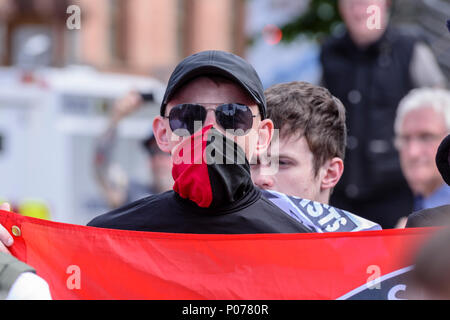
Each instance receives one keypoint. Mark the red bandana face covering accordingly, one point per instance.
(210, 169)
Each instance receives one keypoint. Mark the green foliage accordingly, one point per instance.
(318, 20)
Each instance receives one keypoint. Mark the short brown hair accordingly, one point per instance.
(302, 109)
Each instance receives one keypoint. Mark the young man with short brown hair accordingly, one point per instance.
(312, 141)
(310, 151)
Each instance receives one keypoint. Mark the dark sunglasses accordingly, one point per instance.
(187, 118)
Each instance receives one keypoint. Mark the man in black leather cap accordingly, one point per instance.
(213, 118)
(440, 215)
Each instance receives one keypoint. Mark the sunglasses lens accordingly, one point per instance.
(235, 117)
(185, 119)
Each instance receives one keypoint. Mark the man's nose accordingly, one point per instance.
(210, 118)
(414, 149)
(264, 181)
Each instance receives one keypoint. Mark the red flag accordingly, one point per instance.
(82, 262)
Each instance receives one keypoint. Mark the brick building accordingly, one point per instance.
(132, 36)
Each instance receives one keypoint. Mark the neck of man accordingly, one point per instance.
(364, 42)
(430, 188)
(323, 196)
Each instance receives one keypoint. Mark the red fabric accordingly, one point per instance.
(190, 171)
(116, 264)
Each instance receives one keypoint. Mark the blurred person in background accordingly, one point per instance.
(440, 215)
(370, 68)
(422, 122)
(117, 188)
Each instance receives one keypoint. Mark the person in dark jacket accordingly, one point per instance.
(213, 118)
(370, 68)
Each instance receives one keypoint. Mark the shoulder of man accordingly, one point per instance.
(10, 269)
(432, 217)
(130, 217)
(407, 32)
(332, 42)
(318, 216)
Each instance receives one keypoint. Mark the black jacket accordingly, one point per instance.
(432, 217)
(168, 212)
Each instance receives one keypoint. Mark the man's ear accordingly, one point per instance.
(333, 173)
(161, 134)
(265, 134)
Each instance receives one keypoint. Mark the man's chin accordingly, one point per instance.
(419, 187)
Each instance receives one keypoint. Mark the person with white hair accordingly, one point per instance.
(422, 122)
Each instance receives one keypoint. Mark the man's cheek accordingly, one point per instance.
(248, 144)
(174, 141)
(284, 178)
